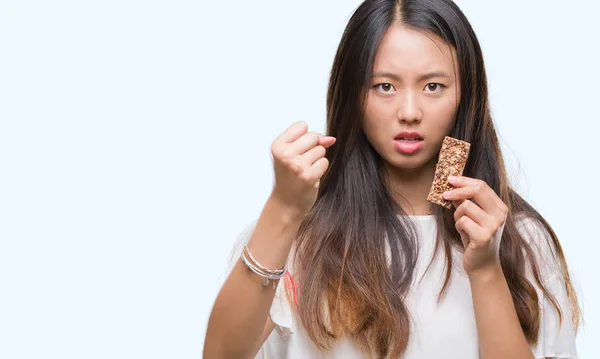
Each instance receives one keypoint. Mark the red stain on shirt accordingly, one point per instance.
(291, 286)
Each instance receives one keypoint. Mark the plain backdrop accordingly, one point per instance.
(134, 148)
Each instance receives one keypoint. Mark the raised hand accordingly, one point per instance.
(299, 162)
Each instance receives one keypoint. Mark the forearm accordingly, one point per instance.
(499, 331)
(242, 306)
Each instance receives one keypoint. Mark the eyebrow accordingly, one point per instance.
(424, 77)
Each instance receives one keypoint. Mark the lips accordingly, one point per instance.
(408, 142)
(409, 136)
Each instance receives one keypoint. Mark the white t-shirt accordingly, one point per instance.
(439, 330)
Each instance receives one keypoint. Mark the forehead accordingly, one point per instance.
(406, 51)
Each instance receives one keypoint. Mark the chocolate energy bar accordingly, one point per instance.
(451, 162)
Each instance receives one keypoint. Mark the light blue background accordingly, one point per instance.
(134, 147)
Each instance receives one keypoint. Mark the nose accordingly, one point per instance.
(409, 109)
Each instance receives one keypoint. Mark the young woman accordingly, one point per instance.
(370, 268)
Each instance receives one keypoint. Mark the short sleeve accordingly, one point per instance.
(281, 310)
(556, 339)
(275, 346)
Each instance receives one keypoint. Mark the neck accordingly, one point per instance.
(410, 187)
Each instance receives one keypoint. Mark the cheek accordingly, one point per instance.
(444, 113)
(378, 112)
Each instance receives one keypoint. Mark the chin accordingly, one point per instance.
(412, 162)
(407, 165)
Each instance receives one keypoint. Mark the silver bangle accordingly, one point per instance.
(267, 274)
(261, 267)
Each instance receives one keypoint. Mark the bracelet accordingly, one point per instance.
(277, 272)
(267, 274)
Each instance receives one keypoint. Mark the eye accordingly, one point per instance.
(385, 87)
(433, 86)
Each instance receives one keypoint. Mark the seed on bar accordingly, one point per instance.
(451, 162)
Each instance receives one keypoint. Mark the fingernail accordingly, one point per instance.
(452, 178)
(447, 195)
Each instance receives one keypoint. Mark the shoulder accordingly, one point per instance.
(542, 246)
(530, 226)
(557, 329)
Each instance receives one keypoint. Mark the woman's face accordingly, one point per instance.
(412, 101)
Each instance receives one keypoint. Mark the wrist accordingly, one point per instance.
(287, 213)
(486, 274)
